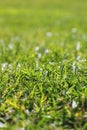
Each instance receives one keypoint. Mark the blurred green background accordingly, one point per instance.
(21, 17)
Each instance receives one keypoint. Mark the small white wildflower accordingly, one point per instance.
(4, 66)
(46, 73)
(83, 60)
(65, 76)
(37, 48)
(2, 125)
(58, 67)
(11, 110)
(19, 65)
(50, 62)
(53, 126)
(63, 61)
(21, 128)
(78, 46)
(10, 46)
(39, 55)
(78, 58)
(74, 104)
(74, 66)
(2, 41)
(85, 116)
(49, 34)
(46, 51)
(27, 112)
(74, 30)
(48, 116)
(10, 66)
(41, 69)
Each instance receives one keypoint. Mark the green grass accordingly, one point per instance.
(43, 65)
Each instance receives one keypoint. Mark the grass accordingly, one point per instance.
(43, 65)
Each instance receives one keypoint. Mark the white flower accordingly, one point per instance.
(19, 65)
(78, 57)
(46, 51)
(74, 67)
(49, 34)
(10, 46)
(1, 41)
(4, 66)
(78, 46)
(10, 66)
(46, 73)
(27, 111)
(2, 125)
(85, 116)
(51, 63)
(74, 30)
(39, 55)
(74, 104)
(59, 67)
(48, 116)
(41, 69)
(37, 48)
(83, 60)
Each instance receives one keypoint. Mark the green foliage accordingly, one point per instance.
(43, 65)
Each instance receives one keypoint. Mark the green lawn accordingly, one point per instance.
(43, 65)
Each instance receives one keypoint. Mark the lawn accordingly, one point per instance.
(43, 65)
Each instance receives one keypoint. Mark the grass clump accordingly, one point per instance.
(43, 65)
